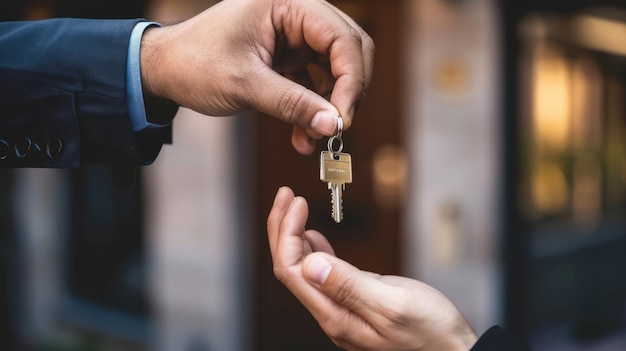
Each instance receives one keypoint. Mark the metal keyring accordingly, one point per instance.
(331, 140)
(339, 127)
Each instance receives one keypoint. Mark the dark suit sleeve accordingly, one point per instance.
(496, 339)
(63, 95)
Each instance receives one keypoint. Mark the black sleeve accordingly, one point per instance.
(496, 339)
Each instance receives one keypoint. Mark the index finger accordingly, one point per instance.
(326, 30)
(282, 201)
(368, 49)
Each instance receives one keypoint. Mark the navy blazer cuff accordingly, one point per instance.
(496, 339)
(63, 95)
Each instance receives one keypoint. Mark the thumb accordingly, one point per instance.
(356, 290)
(293, 103)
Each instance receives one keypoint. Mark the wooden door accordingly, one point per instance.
(369, 235)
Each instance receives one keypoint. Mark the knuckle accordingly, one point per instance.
(333, 334)
(368, 42)
(395, 315)
(356, 35)
(346, 294)
(340, 343)
(397, 319)
(336, 334)
(292, 105)
(280, 274)
(270, 222)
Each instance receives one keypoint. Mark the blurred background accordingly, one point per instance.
(489, 161)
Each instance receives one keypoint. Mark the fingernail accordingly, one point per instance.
(318, 270)
(324, 122)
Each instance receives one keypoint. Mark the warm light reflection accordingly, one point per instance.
(586, 104)
(549, 188)
(551, 100)
(587, 189)
(389, 170)
(447, 248)
(452, 77)
(615, 141)
(575, 146)
(600, 34)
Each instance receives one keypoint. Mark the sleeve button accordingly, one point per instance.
(22, 147)
(4, 149)
(54, 148)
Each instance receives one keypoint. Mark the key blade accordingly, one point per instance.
(337, 201)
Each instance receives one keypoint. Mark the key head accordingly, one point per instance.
(336, 167)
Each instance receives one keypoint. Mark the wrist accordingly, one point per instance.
(467, 341)
(152, 64)
(461, 338)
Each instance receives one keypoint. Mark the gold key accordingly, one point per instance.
(336, 170)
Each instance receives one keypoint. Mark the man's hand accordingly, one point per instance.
(358, 310)
(280, 57)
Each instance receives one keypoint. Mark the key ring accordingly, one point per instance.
(332, 139)
(339, 127)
